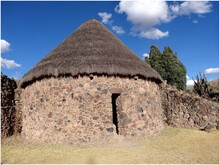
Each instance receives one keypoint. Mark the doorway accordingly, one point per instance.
(115, 111)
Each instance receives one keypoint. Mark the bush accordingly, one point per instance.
(201, 86)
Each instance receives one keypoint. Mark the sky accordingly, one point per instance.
(30, 30)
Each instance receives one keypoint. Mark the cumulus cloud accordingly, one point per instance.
(191, 7)
(106, 20)
(5, 46)
(211, 71)
(153, 33)
(5, 63)
(105, 17)
(118, 29)
(8, 64)
(145, 15)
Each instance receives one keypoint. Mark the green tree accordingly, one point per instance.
(168, 66)
(155, 59)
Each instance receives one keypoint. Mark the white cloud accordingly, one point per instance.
(189, 82)
(145, 15)
(211, 71)
(145, 55)
(5, 63)
(195, 21)
(191, 7)
(118, 29)
(8, 64)
(153, 33)
(187, 77)
(175, 8)
(105, 17)
(5, 46)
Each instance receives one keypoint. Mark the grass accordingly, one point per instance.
(173, 145)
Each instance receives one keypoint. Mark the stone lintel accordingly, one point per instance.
(115, 90)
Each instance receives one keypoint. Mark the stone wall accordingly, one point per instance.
(187, 110)
(8, 111)
(69, 110)
(18, 107)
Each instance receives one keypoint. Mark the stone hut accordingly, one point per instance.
(89, 89)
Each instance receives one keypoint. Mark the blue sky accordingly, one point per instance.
(30, 30)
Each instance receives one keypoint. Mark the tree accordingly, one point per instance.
(155, 59)
(168, 66)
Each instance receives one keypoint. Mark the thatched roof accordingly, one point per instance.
(91, 49)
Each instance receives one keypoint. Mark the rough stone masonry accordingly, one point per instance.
(79, 110)
(188, 110)
(8, 112)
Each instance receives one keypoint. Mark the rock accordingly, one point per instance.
(217, 127)
(205, 118)
(95, 118)
(50, 114)
(208, 127)
(213, 118)
(140, 124)
(83, 122)
(140, 109)
(196, 119)
(104, 91)
(124, 118)
(60, 122)
(186, 116)
(203, 124)
(109, 129)
(18, 91)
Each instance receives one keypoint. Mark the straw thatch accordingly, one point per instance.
(91, 49)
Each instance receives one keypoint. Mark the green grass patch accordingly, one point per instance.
(173, 145)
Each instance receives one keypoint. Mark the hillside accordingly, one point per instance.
(214, 84)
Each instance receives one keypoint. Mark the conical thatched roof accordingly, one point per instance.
(91, 49)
